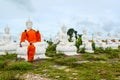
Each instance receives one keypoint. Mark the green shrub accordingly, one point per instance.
(19, 66)
(78, 43)
(2, 57)
(10, 56)
(51, 50)
(70, 40)
(113, 55)
(119, 47)
(93, 45)
(82, 50)
(51, 47)
(70, 33)
(2, 64)
(50, 54)
(117, 50)
(59, 55)
(108, 50)
(99, 50)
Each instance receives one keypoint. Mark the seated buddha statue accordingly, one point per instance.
(32, 36)
(85, 42)
(99, 42)
(110, 43)
(64, 46)
(7, 44)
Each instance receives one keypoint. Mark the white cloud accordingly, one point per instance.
(22, 4)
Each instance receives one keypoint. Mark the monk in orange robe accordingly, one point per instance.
(38, 36)
(31, 36)
(31, 52)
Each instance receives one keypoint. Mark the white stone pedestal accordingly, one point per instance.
(67, 50)
(40, 51)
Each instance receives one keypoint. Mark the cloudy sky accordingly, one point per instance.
(49, 15)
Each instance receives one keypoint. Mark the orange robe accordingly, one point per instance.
(23, 37)
(31, 35)
(31, 52)
(38, 36)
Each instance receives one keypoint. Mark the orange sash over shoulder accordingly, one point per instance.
(23, 37)
(31, 52)
(38, 36)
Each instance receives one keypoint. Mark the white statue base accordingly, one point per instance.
(8, 48)
(103, 45)
(113, 45)
(67, 50)
(40, 51)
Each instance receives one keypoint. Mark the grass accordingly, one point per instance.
(19, 66)
(60, 67)
(79, 71)
(2, 64)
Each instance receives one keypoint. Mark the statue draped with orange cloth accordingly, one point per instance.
(38, 36)
(31, 52)
(32, 44)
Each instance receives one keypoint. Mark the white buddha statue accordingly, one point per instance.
(56, 38)
(85, 42)
(29, 24)
(40, 46)
(98, 41)
(7, 43)
(64, 46)
(110, 43)
(84, 37)
(117, 39)
(7, 36)
(1, 41)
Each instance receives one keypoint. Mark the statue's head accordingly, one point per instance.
(7, 30)
(29, 24)
(109, 34)
(84, 31)
(99, 33)
(116, 35)
(63, 28)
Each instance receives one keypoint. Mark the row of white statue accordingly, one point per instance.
(98, 40)
(64, 46)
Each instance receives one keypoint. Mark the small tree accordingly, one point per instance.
(75, 34)
(93, 45)
(78, 42)
(70, 34)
